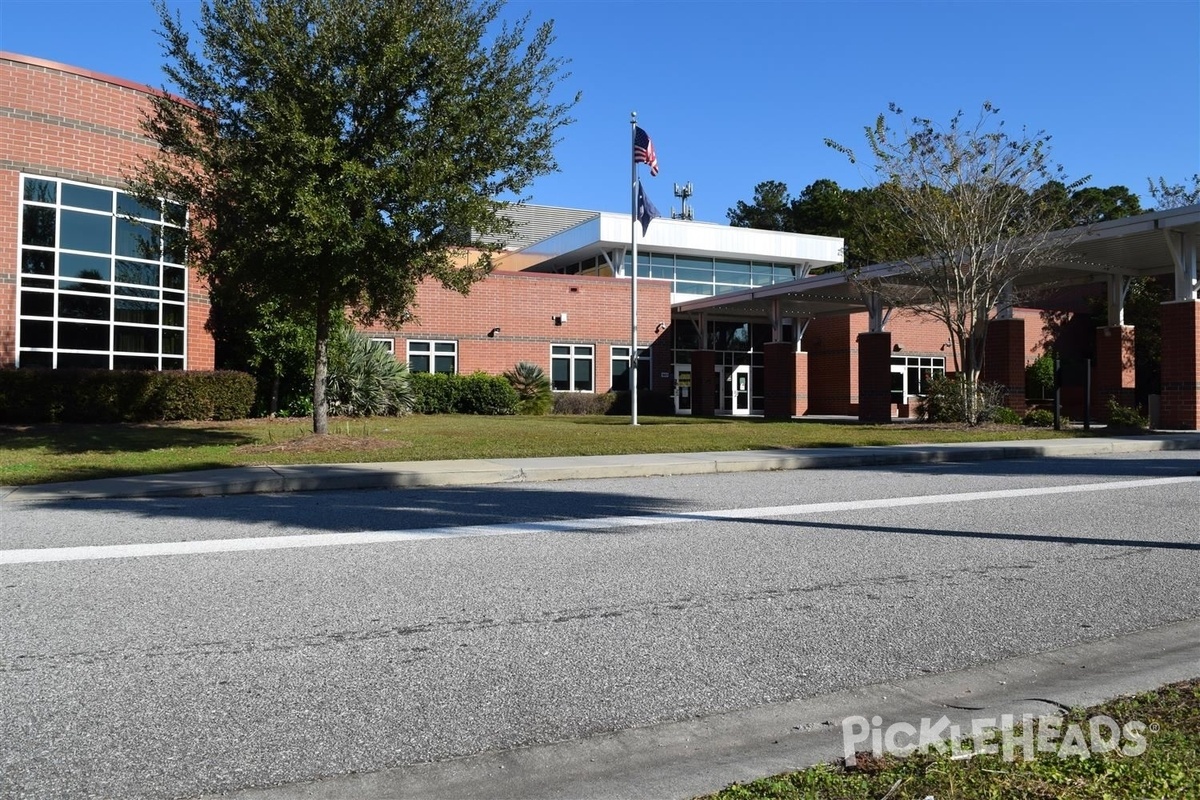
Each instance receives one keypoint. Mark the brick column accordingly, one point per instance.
(875, 377)
(1004, 360)
(1113, 372)
(704, 383)
(1180, 404)
(786, 375)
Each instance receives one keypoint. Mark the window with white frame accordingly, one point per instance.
(431, 356)
(911, 374)
(103, 280)
(571, 367)
(385, 343)
(620, 368)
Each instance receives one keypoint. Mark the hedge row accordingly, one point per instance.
(478, 393)
(79, 395)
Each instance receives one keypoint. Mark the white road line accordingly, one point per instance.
(93, 553)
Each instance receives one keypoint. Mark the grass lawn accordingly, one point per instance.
(45, 453)
(1168, 767)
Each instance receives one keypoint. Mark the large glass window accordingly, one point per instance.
(911, 374)
(94, 264)
(697, 275)
(571, 368)
(430, 356)
(620, 368)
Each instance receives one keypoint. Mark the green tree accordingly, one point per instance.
(1175, 195)
(1093, 204)
(823, 208)
(255, 336)
(962, 213)
(771, 210)
(335, 153)
(1088, 205)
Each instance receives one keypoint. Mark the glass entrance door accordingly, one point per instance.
(733, 390)
(683, 388)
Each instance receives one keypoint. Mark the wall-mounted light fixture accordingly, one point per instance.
(947, 343)
(492, 333)
(660, 327)
(897, 348)
(561, 318)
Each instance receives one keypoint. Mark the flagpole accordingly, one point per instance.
(633, 220)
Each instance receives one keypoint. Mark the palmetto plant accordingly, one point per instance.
(532, 387)
(365, 379)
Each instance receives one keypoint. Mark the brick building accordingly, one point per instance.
(730, 320)
(88, 277)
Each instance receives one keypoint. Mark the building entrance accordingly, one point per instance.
(733, 390)
(683, 388)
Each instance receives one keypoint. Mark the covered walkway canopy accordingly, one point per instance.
(1114, 253)
(1156, 243)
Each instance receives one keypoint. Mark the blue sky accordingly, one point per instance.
(734, 93)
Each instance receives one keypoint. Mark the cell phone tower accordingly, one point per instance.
(683, 193)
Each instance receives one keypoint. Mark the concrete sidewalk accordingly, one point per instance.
(408, 474)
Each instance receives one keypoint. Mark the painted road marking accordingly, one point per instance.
(94, 553)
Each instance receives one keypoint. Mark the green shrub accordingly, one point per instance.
(1005, 416)
(76, 395)
(583, 403)
(1039, 377)
(481, 393)
(434, 393)
(946, 400)
(1120, 416)
(1039, 418)
(365, 379)
(532, 388)
(205, 395)
(478, 393)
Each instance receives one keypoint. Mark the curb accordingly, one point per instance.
(699, 756)
(475, 472)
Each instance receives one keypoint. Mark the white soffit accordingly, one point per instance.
(608, 231)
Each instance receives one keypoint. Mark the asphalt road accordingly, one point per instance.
(497, 616)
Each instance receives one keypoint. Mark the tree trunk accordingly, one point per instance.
(975, 342)
(321, 371)
(275, 391)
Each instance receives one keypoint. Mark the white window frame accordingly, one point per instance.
(619, 354)
(111, 288)
(914, 362)
(576, 354)
(432, 349)
(385, 343)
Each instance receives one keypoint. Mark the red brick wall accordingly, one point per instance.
(832, 347)
(874, 377)
(786, 375)
(523, 305)
(831, 378)
(1006, 354)
(9, 193)
(65, 122)
(1180, 401)
(1113, 375)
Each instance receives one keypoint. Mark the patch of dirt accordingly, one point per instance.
(323, 444)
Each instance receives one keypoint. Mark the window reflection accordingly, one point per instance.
(138, 239)
(90, 232)
(87, 197)
(37, 226)
(104, 251)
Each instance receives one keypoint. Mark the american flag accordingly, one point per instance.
(643, 150)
